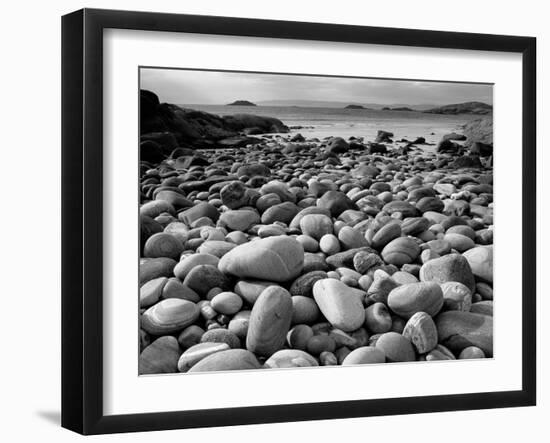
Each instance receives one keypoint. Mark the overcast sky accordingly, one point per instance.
(207, 87)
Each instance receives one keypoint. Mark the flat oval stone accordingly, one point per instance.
(290, 358)
(278, 259)
(239, 220)
(227, 303)
(414, 225)
(197, 352)
(156, 207)
(459, 242)
(160, 357)
(169, 316)
(230, 360)
(283, 212)
(341, 305)
(186, 264)
(364, 355)
(406, 300)
(401, 251)
(269, 321)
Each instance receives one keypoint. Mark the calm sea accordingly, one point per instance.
(325, 122)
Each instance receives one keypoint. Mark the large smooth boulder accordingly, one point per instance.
(277, 259)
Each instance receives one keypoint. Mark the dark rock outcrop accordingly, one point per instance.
(354, 107)
(384, 137)
(479, 130)
(197, 129)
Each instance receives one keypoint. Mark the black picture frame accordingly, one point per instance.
(82, 159)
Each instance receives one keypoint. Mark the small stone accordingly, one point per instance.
(239, 220)
(340, 304)
(220, 335)
(351, 238)
(471, 352)
(457, 297)
(420, 329)
(329, 244)
(452, 267)
(233, 195)
(336, 202)
(227, 303)
(160, 357)
(396, 347)
(363, 261)
(298, 337)
(320, 343)
(400, 251)
(304, 310)
(377, 318)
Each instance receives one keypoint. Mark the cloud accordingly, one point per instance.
(217, 87)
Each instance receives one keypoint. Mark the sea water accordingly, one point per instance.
(341, 122)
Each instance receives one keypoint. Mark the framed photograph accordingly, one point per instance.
(269, 221)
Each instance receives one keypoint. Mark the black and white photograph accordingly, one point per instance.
(292, 221)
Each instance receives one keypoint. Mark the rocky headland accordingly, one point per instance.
(305, 253)
(477, 108)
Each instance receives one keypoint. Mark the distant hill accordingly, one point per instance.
(354, 107)
(337, 104)
(477, 108)
(241, 103)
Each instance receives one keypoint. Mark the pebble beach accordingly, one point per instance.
(301, 252)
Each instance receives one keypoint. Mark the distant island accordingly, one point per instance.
(399, 108)
(241, 103)
(477, 108)
(354, 107)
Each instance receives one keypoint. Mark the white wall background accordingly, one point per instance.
(30, 247)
